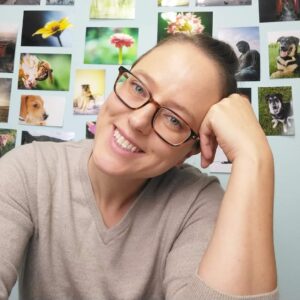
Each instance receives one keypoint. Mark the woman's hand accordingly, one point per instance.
(231, 124)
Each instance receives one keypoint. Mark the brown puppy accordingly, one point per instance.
(32, 110)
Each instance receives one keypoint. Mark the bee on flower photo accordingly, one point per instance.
(185, 22)
(47, 28)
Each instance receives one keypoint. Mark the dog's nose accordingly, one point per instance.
(284, 48)
(45, 116)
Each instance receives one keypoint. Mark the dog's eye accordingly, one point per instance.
(35, 105)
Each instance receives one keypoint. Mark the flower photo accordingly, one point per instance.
(187, 22)
(110, 45)
(90, 129)
(46, 28)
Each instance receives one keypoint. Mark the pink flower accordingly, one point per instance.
(121, 39)
(91, 127)
(183, 22)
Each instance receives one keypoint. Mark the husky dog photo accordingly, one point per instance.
(276, 110)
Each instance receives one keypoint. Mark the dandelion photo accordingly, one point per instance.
(112, 9)
(186, 22)
(110, 45)
(47, 28)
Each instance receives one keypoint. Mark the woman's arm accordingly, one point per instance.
(240, 258)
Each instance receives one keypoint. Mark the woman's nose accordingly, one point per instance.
(141, 119)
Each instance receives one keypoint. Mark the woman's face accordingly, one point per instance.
(179, 77)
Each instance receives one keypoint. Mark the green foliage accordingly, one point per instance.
(265, 118)
(104, 9)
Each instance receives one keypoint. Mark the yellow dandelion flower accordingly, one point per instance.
(53, 28)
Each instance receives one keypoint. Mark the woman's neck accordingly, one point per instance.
(113, 195)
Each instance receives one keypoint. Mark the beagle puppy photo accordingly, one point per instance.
(32, 110)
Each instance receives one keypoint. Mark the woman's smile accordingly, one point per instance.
(124, 143)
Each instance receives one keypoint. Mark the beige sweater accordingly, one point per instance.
(53, 237)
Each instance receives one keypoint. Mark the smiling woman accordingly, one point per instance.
(127, 204)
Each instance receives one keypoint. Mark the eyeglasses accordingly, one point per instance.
(167, 124)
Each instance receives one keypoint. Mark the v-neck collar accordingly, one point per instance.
(106, 234)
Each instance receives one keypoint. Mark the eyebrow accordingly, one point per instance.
(169, 103)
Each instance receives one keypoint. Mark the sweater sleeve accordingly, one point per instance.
(15, 221)
(181, 280)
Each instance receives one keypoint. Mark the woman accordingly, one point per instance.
(123, 217)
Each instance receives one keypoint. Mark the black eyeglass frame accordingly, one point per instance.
(193, 135)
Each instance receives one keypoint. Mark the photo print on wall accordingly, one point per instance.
(47, 28)
(112, 9)
(276, 110)
(90, 129)
(7, 140)
(221, 163)
(279, 10)
(284, 54)
(44, 71)
(188, 22)
(8, 37)
(89, 92)
(245, 43)
(5, 90)
(60, 2)
(42, 110)
(29, 136)
(222, 2)
(113, 46)
(172, 2)
(20, 2)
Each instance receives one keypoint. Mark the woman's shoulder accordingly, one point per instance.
(187, 175)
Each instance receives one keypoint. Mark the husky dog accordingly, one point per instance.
(280, 111)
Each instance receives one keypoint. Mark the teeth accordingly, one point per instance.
(123, 143)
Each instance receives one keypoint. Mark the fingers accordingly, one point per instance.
(208, 144)
(208, 150)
